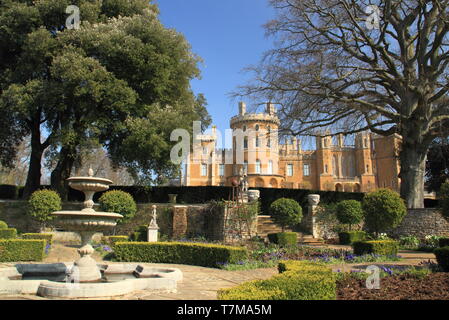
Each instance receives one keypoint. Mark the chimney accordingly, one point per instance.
(242, 108)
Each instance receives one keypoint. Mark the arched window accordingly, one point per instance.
(257, 127)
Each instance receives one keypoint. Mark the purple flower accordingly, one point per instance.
(106, 248)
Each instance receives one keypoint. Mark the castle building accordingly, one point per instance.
(369, 164)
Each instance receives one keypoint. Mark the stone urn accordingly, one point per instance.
(253, 195)
(314, 199)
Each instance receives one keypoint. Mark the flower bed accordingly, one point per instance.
(434, 286)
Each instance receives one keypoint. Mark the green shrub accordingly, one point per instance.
(349, 212)
(42, 204)
(409, 242)
(206, 255)
(298, 280)
(350, 237)
(22, 250)
(443, 242)
(112, 240)
(286, 212)
(119, 202)
(3, 225)
(442, 255)
(283, 238)
(443, 196)
(384, 209)
(8, 233)
(48, 237)
(380, 247)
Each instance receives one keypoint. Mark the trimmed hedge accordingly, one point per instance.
(194, 195)
(349, 237)
(298, 280)
(3, 225)
(443, 242)
(22, 250)
(8, 192)
(283, 238)
(380, 247)
(48, 237)
(8, 233)
(197, 254)
(442, 255)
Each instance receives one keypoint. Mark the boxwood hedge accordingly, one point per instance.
(38, 236)
(8, 233)
(380, 247)
(349, 237)
(283, 238)
(298, 280)
(206, 255)
(22, 250)
(442, 255)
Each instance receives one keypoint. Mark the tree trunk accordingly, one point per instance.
(62, 172)
(413, 164)
(33, 181)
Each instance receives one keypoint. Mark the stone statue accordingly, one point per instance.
(153, 222)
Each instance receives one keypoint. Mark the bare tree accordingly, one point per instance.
(361, 65)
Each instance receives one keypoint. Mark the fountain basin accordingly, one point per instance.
(146, 277)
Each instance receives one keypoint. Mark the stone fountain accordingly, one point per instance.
(85, 278)
(87, 222)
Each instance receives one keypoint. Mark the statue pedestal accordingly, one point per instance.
(153, 233)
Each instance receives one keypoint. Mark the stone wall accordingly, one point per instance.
(421, 223)
(195, 222)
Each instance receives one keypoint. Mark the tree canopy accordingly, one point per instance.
(120, 80)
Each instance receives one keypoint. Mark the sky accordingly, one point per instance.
(229, 36)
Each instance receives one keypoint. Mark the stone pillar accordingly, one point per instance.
(314, 200)
(179, 221)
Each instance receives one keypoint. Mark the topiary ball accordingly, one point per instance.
(119, 202)
(3, 225)
(349, 212)
(384, 209)
(43, 203)
(286, 212)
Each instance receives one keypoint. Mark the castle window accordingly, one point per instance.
(270, 167)
(289, 170)
(245, 166)
(245, 143)
(326, 168)
(204, 170)
(244, 128)
(221, 170)
(306, 170)
(269, 143)
(258, 166)
(257, 142)
(257, 127)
